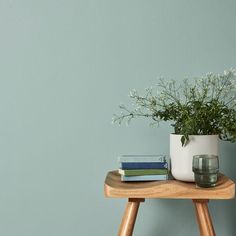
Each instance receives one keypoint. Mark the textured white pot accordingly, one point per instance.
(181, 157)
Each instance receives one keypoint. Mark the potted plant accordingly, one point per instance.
(201, 110)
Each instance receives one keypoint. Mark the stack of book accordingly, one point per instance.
(143, 167)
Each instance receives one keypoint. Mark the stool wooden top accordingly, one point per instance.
(172, 189)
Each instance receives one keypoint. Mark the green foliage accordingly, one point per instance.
(202, 106)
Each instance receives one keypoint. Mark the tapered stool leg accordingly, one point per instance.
(203, 217)
(129, 217)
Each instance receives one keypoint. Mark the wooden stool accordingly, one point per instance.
(136, 192)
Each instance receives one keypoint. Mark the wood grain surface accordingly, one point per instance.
(203, 218)
(129, 217)
(172, 189)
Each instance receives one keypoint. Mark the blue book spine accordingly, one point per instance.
(144, 178)
(143, 165)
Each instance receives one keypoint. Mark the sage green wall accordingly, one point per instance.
(65, 65)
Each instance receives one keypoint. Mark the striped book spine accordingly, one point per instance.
(142, 158)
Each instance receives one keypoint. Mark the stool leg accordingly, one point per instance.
(203, 217)
(129, 217)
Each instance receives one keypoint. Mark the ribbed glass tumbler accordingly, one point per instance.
(206, 169)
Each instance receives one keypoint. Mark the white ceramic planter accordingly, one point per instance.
(181, 157)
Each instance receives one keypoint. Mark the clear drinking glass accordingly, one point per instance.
(206, 169)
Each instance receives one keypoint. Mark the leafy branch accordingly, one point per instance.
(203, 106)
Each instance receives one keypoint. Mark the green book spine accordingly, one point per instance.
(136, 172)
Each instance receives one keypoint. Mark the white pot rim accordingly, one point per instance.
(195, 134)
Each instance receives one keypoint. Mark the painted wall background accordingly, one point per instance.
(65, 66)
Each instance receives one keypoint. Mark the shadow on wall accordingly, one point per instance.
(228, 163)
(232, 215)
(223, 212)
(180, 211)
